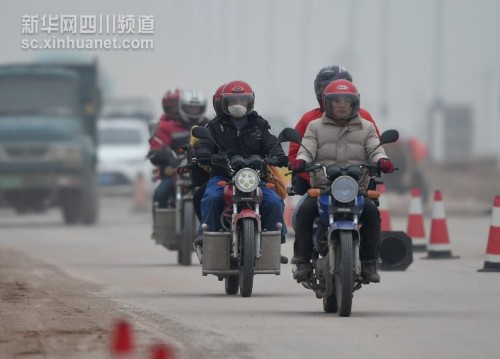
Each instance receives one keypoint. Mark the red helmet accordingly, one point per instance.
(237, 93)
(341, 89)
(170, 102)
(216, 100)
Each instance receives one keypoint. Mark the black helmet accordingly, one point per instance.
(327, 75)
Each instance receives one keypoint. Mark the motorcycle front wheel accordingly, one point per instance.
(247, 256)
(344, 273)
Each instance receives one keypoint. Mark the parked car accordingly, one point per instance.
(123, 144)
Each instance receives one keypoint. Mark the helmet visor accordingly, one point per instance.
(243, 99)
(341, 106)
(193, 110)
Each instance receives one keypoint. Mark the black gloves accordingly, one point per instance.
(282, 161)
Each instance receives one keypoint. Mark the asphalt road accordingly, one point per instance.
(434, 309)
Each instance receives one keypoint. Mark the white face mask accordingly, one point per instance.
(237, 111)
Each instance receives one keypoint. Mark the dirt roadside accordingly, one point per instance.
(45, 313)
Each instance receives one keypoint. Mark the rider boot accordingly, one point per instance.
(369, 271)
(301, 269)
(198, 247)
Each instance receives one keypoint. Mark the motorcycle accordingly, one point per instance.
(336, 264)
(242, 248)
(174, 227)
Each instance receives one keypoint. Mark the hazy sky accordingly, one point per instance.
(278, 46)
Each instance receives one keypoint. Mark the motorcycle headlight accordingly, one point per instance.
(246, 180)
(344, 189)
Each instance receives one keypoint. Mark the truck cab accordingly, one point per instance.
(48, 139)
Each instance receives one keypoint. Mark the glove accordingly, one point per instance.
(298, 165)
(282, 161)
(385, 165)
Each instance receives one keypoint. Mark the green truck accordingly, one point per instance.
(48, 155)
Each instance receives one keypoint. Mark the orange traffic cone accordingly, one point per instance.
(161, 351)
(492, 262)
(415, 228)
(140, 198)
(122, 342)
(384, 210)
(439, 243)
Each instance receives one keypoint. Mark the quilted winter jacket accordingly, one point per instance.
(346, 145)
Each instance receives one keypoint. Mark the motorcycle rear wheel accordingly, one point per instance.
(232, 284)
(187, 237)
(344, 273)
(330, 303)
(247, 260)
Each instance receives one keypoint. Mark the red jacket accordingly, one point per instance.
(302, 126)
(166, 128)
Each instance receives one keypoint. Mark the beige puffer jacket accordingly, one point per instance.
(347, 145)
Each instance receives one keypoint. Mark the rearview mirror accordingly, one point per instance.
(389, 136)
(289, 134)
(201, 132)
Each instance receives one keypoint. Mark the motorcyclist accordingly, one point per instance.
(183, 109)
(200, 191)
(340, 137)
(301, 182)
(239, 130)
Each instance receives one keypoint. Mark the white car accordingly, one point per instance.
(123, 145)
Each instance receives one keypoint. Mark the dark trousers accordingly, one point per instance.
(197, 196)
(212, 206)
(370, 230)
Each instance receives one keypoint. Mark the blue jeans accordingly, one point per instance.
(212, 206)
(163, 192)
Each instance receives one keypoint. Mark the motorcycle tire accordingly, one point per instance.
(187, 237)
(344, 273)
(247, 260)
(232, 284)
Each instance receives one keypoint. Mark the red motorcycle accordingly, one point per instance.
(241, 249)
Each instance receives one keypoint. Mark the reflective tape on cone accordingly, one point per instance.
(492, 259)
(385, 217)
(415, 228)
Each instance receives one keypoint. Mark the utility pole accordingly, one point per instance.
(438, 135)
(497, 112)
(384, 63)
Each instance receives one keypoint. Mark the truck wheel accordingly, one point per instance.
(89, 204)
(70, 206)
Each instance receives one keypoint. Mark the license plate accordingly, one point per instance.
(10, 182)
(106, 178)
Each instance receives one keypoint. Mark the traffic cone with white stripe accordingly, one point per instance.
(384, 210)
(439, 244)
(287, 214)
(492, 262)
(415, 227)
